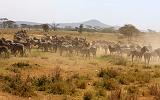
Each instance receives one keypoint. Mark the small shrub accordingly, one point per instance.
(16, 86)
(56, 75)
(109, 73)
(115, 95)
(120, 61)
(21, 65)
(107, 57)
(135, 76)
(102, 73)
(130, 77)
(154, 89)
(61, 87)
(15, 70)
(109, 84)
(156, 74)
(157, 66)
(132, 90)
(81, 83)
(131, 97)
(101, 92)
(88, 95)
(123, 79)
(44, 57)
(41, 83)
(143, 77)
(75, 76)
(66, 97)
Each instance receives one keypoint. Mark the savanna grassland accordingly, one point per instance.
(49, 76)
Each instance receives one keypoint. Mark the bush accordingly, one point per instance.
(156, 74)
(134, 76)
(154, 90)
(15, 70)
(122, 79)
(109, 84)
(88, 95)
(16, 86)
(56, 75)
(81, 83)
(41, 83)
(115, 95)
(143, 77)
(21, 65)
(54, 84)
(101, 92)
(131, 97)
(157, 66)
(132, 90)
(120, 61)
(61, 87)
(109, 73)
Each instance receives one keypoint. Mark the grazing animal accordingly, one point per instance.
(138, 54)
(4, 49)
(17, 48)
(93, 51)
(154, 56)
(68, 48)
(115, 49)
(158, 52)
(147, 58)
(85, 51)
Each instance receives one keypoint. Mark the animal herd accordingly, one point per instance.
(133, 50)
(22, 44)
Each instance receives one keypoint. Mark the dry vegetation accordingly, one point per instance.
(48, 76)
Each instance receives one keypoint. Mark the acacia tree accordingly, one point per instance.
(128, 30)
(55, 26)
(8, 24)
(23, 26)
(45, 27)
(2, 20)
(80, 30)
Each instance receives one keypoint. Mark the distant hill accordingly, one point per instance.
(93, 23)
(27, 22)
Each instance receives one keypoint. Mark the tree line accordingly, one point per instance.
(127, 30)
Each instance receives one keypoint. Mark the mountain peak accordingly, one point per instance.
(94, 22)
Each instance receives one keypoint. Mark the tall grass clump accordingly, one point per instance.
(16, 86)
(108, 73)
(154, 90)
(88, 95)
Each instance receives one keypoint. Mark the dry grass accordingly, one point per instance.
(115, 74)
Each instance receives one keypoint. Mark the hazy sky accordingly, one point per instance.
(142, 13)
